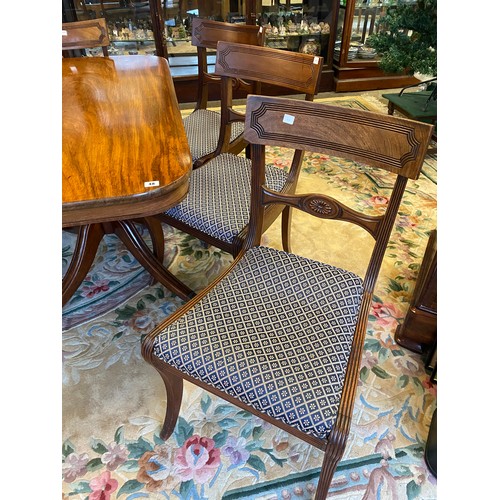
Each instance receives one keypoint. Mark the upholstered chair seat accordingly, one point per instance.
(218, 202)
(202, 130)
(276, 333)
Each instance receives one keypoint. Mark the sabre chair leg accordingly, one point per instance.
(174, 388)
(286, 225)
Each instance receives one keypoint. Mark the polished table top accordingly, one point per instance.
(125, 159)
(125, 153)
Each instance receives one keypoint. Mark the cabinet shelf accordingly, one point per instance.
(131, 40)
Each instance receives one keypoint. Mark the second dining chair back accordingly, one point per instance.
(217, 207)
(203, 126)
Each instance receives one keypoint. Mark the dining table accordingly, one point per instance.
(125, 159)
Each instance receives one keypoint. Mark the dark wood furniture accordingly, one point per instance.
(85, 35)
(342, 20)
(216, 209)
(125, 158)
(419, 329)
(207, 134)
(354, 23)
(279, 335)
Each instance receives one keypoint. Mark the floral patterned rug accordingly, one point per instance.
(114, 402)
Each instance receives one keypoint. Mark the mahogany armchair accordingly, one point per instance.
(217, 207)
(204, 126)
(278, 334)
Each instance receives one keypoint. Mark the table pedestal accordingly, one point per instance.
(87, 243)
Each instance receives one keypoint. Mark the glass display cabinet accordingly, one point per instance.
(338, 30)
(355, 63)
(301, 26)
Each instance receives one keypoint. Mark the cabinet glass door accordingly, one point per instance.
(178, 15)
(298, 26)
(356, 21)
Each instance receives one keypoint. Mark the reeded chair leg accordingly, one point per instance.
(174, 387)
(325, 478)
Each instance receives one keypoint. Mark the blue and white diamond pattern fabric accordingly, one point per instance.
(218, 202)
(202, 130)
(275, 333)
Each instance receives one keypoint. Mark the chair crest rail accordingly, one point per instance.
(277, 67)
(393, 145)
(206, 33)
(85, 34)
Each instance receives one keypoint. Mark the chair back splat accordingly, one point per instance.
(203, 126)
(278, 334)
(217, 207)
(85, 35)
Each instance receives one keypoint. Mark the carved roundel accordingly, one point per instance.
(321, 206)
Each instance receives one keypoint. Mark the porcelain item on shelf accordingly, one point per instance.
(352, 52)
(366, 52)
(310, 46)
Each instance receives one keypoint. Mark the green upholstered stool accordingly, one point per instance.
(420, 106)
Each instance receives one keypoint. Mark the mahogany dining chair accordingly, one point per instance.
(281, 335)
(203, 126)
(217, 207)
